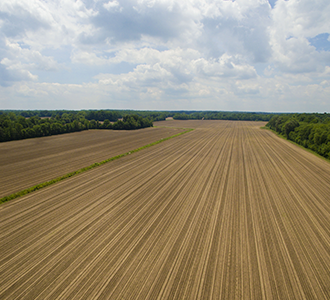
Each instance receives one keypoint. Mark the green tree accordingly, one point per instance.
(107, 124)
(289, 126)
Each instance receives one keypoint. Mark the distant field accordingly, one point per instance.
(26, 163)
(227, 211)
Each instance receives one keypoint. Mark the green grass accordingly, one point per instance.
(292, 142)
(94, 165)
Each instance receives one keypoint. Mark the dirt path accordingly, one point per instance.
(227, 211)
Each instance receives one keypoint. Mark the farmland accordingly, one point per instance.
(29, 162)
(227, 211)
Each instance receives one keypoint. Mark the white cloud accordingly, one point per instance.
(112, 5)
(18, 71)
(293, 23)
(235, 55)
(27, 91)
(34, 59)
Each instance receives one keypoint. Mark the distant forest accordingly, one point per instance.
(22, 124)
(17, 125)
(114, 115)
(213, 115)
(309, 130)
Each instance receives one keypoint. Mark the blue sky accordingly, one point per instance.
(245, 55)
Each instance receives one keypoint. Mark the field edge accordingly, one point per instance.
(294, 143)
(82, 170)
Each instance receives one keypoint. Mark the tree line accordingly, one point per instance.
(211, 115)
(114, 115)
(309, 130)
(97, 115)
(312, 131)
(22, 124)
(16, 126)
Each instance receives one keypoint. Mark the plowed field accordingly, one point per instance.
(227, 211)
(29, 162)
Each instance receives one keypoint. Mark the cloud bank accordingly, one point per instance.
(247, 55)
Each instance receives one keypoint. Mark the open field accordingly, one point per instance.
(26, 163)
(227, 211)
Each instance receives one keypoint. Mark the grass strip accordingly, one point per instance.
(294, 143)
(94, 165)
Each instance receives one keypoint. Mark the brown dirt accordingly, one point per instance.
(227, 211)
(29, 162)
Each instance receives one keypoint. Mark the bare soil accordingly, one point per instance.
(26, 163)
(227, 211)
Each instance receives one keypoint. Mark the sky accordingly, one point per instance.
(224, 55)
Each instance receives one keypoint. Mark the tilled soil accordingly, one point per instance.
(227, 211)
(29, 162)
